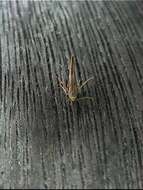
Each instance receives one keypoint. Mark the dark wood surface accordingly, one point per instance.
(44, 141)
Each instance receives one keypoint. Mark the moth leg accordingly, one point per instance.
(85, 83)
(86, 97)
(63, 86)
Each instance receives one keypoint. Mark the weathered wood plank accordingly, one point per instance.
(45, 142)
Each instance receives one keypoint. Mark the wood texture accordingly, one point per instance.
(45, 142)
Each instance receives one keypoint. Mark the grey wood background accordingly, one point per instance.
(45, 142)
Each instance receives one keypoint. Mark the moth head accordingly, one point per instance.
(72, 98)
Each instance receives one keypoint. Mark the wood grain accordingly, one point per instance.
(44, 141)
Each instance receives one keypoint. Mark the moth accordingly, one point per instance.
(72, 88)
